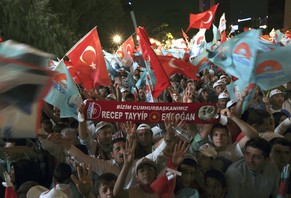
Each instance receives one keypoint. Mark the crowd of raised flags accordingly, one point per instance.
(254, 59)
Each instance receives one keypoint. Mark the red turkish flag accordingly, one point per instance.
(223, 36)
(125, 52)
(162, 79)
(173, 65)
(73, 72)
(88, 60)
(128, 46)
(203, 19)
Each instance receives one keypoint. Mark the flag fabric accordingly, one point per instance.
(215, 33)
(125, 52)
(10, 192)
(266, 45)
(201, 61)
(222, 24)
(162, 80)
(173, 65)
(279, 36)
(272, 68)
(203, 19)
(149, 88)
(223, 37)
(283, 186)
(236, 88)
(177, 53)
(64, 93)
(142, 80)
(237, 56)
(88, 59)
(198, 43)
(24, 81)
(113, 64)
(222, 28)
(73, 72)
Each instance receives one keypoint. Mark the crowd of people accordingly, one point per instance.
(245, 154)
(241, 156)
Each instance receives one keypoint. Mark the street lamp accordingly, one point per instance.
(116, 39)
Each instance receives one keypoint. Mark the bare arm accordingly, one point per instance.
(239, 104)
(246, 129)
(128, 161)
(283, 126)
(82, 128)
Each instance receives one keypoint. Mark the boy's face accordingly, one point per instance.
(220, 138)
(146, 174)
(213, 188)
(144, 137)
(106, 190)
(188, 174)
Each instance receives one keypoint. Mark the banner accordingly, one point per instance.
(24, 81)
(64, 93)
(143, 112)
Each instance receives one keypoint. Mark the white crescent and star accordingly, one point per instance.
(209, 19)
(128, 48)
(171, 63)
(92, 49)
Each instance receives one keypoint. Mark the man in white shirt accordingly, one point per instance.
(255, 175)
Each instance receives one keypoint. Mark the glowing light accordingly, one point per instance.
(116, 39)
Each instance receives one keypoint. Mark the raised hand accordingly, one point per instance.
(227, 113)
(59, 139)
(170, 135)
(83, 182)
(129, 150)
(130, 128)
(180, 150)
(81, 108)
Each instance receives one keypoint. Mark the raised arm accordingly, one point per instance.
(283, 126)
(239, 104)
(82, 128)
(246, 129)
(83, 181)
(128, 156)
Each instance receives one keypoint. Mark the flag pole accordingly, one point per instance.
(132, 15)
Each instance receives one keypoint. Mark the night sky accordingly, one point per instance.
(152, 13)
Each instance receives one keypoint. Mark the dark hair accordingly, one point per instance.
(62, 173)
(104, 179)
(25, 170)
(277, 116)
(215, 126)
(216, 174)
(261, 144)
(189, 161)
(280, 140)
(129, 96)
(257, 116)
